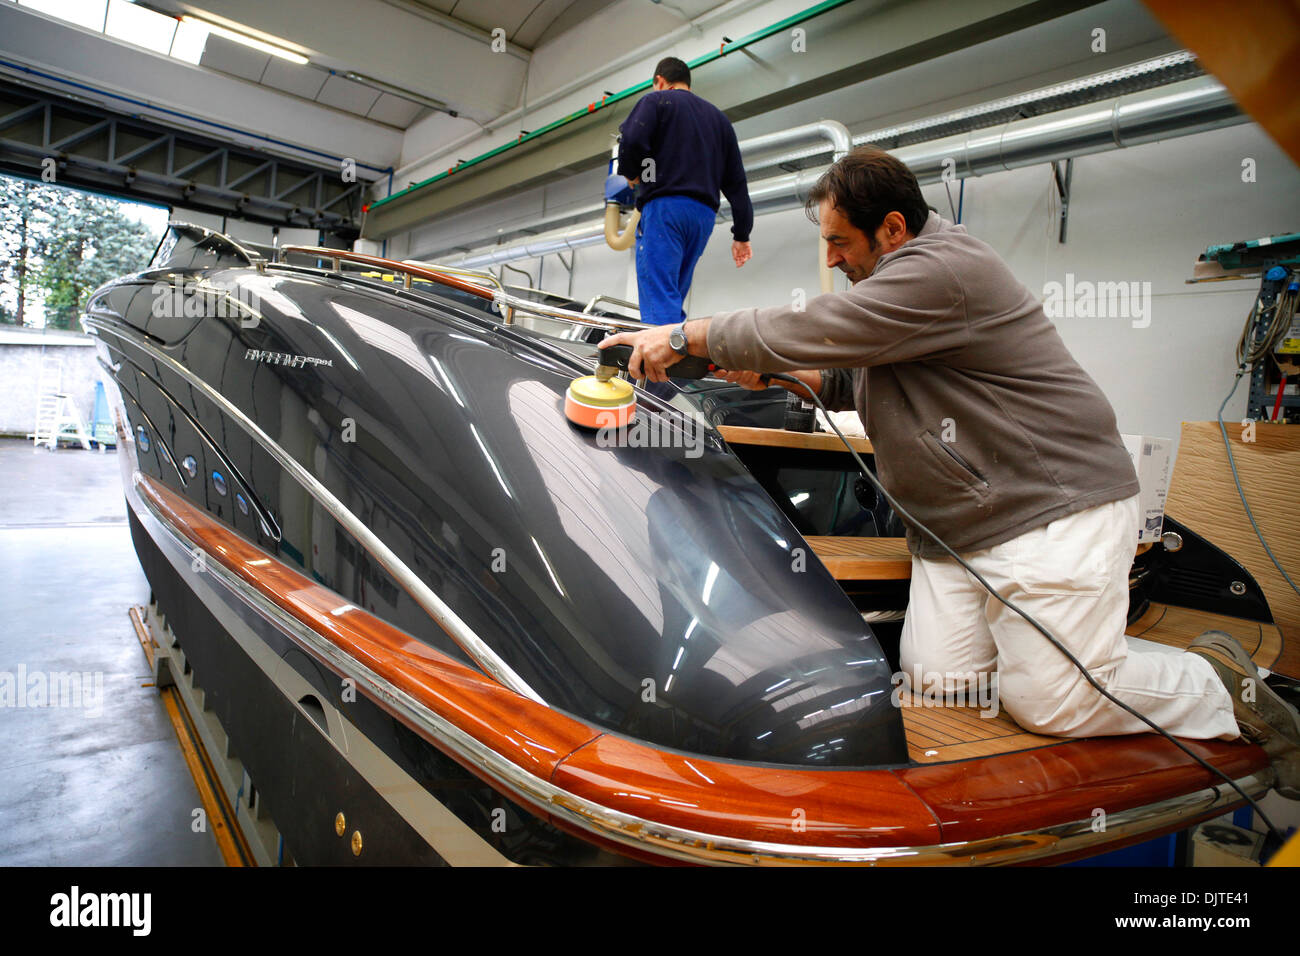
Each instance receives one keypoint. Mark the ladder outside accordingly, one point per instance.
(55, 409)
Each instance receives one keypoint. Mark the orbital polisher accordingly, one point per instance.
(604, 401)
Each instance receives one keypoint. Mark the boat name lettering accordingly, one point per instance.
(283, 358)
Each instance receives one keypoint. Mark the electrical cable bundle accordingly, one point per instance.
(1276, 317)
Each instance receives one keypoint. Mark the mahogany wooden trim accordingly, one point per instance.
(869, 558)
(420, 272)
(791, 806)
(1023, 791)
(863, 559)
(842, 808)
(976, 799)
(781, 438)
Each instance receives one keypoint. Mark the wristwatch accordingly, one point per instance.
(677, 339)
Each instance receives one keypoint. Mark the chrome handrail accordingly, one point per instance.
(407, 270)
(613, 301)
(456, 271)
(504, 303)
(504, 299)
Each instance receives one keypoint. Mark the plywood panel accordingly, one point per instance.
(1203, 497)
(1252, 52)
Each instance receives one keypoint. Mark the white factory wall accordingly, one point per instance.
(618, 46)
(503, 214)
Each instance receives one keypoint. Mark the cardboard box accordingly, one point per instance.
(1150, 457)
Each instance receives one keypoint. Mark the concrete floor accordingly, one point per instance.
(100, 780)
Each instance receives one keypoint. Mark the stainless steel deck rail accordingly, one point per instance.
(622, 303)
(503, 302)
(568, 315)
(457, 271)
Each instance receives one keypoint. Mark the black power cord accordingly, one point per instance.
(903, 513)
(1277, 298)
(1232, 463)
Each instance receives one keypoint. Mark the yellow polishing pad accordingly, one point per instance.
(591, 391)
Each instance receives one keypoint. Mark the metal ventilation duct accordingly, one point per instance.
(1191, 106)
(1146, 74)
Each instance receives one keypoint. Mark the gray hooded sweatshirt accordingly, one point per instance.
(983, 424)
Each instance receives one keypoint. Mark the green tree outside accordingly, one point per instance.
(58, 245)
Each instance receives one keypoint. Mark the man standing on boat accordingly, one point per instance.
(988, 431)
(680, 150)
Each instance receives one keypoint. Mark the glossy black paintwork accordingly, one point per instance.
(656, 594)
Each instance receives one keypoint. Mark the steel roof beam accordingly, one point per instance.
(164, 167)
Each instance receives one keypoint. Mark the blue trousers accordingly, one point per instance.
(670, 239)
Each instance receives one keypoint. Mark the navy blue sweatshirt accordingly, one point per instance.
(694, 150)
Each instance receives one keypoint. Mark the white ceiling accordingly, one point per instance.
(441, 50)
(528, 23)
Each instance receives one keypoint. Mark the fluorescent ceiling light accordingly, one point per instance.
(248, 41)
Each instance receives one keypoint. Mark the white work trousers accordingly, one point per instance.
(1072, 576)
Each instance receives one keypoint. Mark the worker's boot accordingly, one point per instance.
(1263, 717)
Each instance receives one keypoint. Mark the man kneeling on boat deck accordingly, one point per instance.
(989, 432)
